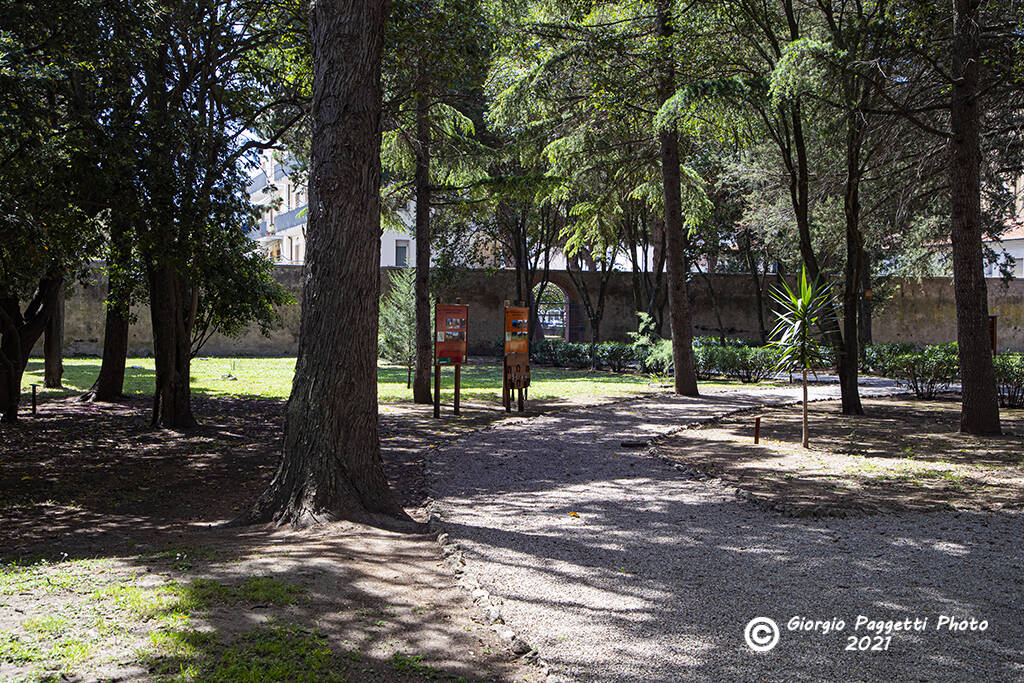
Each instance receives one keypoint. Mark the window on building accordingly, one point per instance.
(401, 253)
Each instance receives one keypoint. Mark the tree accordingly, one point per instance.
(331, 465)
(201, 91)
(799, 313)
(47, 177)
(980, 412)
(53, 345)
(397, 336)
(434, 61)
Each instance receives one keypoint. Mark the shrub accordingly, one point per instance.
(746, 363)
(1010, 379)
(928, 371)
(880, 358)
(617, 356)
(758, 363)
(828, 358)
(544, 351)
(659, 359)
(573, 355)
(705, 359)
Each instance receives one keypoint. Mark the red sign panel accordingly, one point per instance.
(451, 326)
(517, 330)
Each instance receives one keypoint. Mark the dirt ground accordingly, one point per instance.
(113, 565)
(903, 454)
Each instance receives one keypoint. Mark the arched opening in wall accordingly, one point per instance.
(552, 311)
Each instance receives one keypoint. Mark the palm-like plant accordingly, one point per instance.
(794, 337)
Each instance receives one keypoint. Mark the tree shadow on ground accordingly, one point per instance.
(623, 569)
(904, 454)
(126, 513)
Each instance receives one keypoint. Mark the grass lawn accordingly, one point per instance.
(272, 378)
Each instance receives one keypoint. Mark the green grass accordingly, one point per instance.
(266, 653)
(98, 607)
(272, 378)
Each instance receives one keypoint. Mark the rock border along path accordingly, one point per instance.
(608, 564)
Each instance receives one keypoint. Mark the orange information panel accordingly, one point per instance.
(517, 330)
(452, 326)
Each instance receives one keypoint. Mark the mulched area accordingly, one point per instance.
(904, 454)
(81, 476)
(94, 482)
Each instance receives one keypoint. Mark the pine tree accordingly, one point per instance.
(396, 338)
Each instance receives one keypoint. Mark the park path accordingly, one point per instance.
(617, 567)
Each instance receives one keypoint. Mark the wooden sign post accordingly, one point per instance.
(451, 329)
(515, 370)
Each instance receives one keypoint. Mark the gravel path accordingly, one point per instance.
(617, 568)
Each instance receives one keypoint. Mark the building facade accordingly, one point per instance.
(283, 200)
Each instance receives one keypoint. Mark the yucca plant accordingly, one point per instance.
(794, 336)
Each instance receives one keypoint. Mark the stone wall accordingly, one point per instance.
(920, 311)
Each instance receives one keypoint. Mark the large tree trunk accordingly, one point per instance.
(424, 336)
(53, 345)
(680, 320)
(331, 466)
(864, 324)
(18, 334)
(980, 411)
(109, 384)
(748, 249)
(849, 358)
(171, 308)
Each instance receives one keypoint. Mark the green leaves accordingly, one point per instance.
(802, 69)
(799, 312)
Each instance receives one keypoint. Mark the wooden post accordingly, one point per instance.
(458, 381)
(437, 390)
(521, 405)
(757, 429)
(805, 439)
(506, 397)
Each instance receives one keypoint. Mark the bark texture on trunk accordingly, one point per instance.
(980, 410)
(109, 385)
(110, 382)
(331, 465)
(849, 358)
(864, 327)
(53, 345)
(680, 320)
(752, 267)
(424, 334)
(171, 307)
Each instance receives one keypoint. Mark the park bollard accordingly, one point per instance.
(34, 387)
(757, 428)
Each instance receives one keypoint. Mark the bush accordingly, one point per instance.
(659, 359)
(880, 358)
(828, 358)
(544, 352)
(616, 356)
(1010, 379)
(573, 355)
(929, 371)
(746, 363)
(705, 359)
(560, 353)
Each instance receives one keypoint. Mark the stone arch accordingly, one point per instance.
(573, 321)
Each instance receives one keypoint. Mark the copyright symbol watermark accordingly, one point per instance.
(761, 634)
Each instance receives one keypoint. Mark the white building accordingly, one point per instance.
(281, 232)
(1012, 243)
